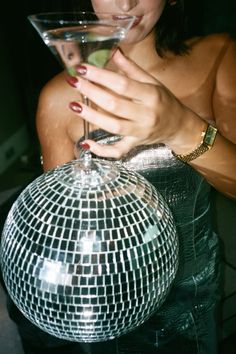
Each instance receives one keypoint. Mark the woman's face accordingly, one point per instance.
(148, 13)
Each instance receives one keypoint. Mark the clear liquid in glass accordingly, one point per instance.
(91, 44)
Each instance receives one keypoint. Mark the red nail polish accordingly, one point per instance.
(72, 81)
(76, 107)
(81, 69)
(85, 146)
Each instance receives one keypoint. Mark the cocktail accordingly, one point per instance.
(84, 37)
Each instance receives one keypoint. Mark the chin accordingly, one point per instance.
(134, 38)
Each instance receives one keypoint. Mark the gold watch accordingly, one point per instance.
(206, 144)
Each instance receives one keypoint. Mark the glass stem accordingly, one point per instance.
(86, 124)
(87, 154)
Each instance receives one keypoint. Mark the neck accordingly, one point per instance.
(138, 52)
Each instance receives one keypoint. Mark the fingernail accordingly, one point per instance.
(72, 81)
(85, 146)
(81, 69)
(76, 107)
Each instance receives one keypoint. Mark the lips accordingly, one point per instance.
(123, 17)
(137, 21)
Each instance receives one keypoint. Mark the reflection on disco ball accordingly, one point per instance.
(89, 263)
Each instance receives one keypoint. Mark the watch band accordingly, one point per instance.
(206, 144)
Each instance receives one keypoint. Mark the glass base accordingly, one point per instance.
(95, 173)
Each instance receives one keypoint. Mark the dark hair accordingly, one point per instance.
(171, 29)
(173, 26)
(180, 21)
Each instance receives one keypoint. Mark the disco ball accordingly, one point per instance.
(89, 262)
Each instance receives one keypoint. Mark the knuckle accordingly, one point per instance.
(156, 96)
(152, 119)
(112, 105)
(122, 85)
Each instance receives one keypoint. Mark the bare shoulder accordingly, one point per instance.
(212, 43)
(226, 75)
(55, 95)
(216, 51)
(55, 121)
(213, 58)
(223, 47)
(53, 104)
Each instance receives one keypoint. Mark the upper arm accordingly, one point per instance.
(224, 99)
(52, 120)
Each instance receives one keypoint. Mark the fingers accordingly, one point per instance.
(105, 121)
(126, 104)
(110, 102)
(130, 85)
(131, 69)
(113, 82)
(116, 150)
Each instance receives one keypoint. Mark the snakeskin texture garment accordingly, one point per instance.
(195, 290)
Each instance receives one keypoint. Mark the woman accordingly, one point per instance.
(174, 103)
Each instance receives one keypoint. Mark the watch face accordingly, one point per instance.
(208, 140)
(210, 135)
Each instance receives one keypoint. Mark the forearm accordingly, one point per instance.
(217, 165)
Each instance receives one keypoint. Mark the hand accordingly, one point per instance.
(132, 104)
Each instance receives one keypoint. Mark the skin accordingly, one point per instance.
(155, 100)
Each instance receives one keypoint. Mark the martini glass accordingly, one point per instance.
(84, 37)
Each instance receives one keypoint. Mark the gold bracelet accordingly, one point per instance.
(206, 144)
